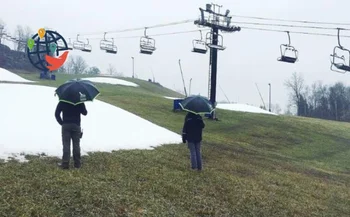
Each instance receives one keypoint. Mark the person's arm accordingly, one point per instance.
(184, 132)
(83, 109)
(58, 114)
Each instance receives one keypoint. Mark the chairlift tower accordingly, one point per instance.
(212, 18)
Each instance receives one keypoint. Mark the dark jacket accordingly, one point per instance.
(192, 129)
(71, 113)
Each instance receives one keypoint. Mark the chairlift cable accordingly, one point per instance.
(141, 28)
(160, 34)
(296, 32)
(292, 21)
(292, 26)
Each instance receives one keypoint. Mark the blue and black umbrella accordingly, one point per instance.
(77, 91)
(197, 105)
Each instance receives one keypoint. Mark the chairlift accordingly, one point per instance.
(199, 46)
(78, 45)
(60, 44)
(87, 47)
(288, 53)
(220, 44)
(147, 44)
(339, 62)
(112, 48)
(107, 45)
(69, 44)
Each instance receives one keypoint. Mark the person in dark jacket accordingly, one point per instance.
(192, 133)
(71, 130)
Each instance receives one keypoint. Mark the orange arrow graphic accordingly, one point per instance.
(56, 63)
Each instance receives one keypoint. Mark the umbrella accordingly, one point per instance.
(77, 91)
(197, 104)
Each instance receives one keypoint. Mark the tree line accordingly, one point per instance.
(77, 65)
(331, 102)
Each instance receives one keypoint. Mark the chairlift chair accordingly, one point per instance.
(61, 44)
(78, 45)
(339, 63)
(288, 53)
(147, 44)
(107, 45)
(87, 47)
(220, 44)
(199, 46)
(112, 49)
(69, 44)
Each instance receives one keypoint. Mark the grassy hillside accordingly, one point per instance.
(254, 165)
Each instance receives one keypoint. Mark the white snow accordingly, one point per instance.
(28, 125)
(168, 97)
(111, 81)
(242, 108)
(6, 75)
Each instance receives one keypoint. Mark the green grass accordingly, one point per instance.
(254, 165)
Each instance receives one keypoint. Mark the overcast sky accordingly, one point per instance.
(250, 57)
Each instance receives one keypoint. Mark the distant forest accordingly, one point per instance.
(331, 102)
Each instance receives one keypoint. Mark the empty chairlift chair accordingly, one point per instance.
(61, 45)
(340, 63)
(199, 46)
(220, 41)
(78, 45)
(107, 45)
(288, 53)
(87, 47)
(147, 44)
(70, 45)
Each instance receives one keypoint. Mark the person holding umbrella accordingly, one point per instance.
(72, 96)
(193, 127)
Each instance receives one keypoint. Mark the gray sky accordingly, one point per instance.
(250, 57)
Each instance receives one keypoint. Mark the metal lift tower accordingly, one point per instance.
(211, 17)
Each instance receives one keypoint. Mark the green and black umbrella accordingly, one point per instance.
(197, 104)
(77, 91)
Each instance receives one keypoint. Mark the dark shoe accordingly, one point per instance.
(63, 166)
(77, 166)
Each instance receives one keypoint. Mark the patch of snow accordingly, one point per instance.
(6, 75)
(242, 108)
(28, 125)
(111, 81)
(168, 97)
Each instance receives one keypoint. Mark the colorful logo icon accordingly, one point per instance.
(44, 50)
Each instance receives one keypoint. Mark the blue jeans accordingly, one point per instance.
(196, 158)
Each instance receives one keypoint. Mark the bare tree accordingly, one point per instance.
(276, 109)
(19, 35)
(111, 70)
(79, 65)
(69, 65)
(296, 85)
(22, 35)
(2, 29)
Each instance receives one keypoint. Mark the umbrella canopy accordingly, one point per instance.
(197, 105)
(77, 91)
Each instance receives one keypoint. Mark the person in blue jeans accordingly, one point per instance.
(192, 133)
